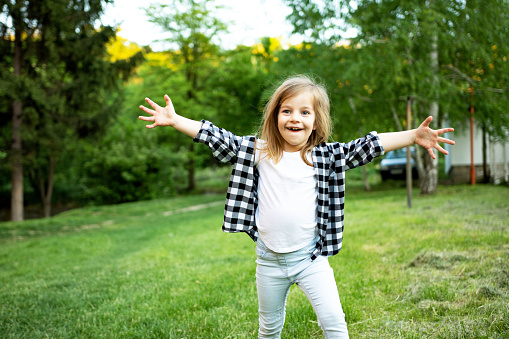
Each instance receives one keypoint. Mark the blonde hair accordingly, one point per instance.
(289, 88)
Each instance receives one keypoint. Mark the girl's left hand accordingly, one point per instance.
(429, 138)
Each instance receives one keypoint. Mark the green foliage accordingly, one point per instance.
(441, 56)
(162, 268)
(80, 108)
(392, 55)
(65, 86)
(121, 172)
(236, 89)
(319, 21)
(128, 163)
(192, 27)
(133, 163)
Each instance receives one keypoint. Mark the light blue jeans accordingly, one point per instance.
(276, 272)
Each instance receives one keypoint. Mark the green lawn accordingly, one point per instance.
(156, 270)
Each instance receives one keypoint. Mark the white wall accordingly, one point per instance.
(459, 154)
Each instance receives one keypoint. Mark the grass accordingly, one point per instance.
(155, 269)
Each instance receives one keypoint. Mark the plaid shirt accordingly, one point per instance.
(330, 161)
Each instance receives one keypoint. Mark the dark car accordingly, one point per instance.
(393, 166)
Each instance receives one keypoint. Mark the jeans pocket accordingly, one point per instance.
(260, 252)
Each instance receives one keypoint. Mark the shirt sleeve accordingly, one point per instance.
(224, 144)
(359, 152)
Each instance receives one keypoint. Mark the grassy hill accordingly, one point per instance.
(164, 269)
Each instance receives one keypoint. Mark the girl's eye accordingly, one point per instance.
(285, 111)
(305, 113)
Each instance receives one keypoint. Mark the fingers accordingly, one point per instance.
(445, 140)
(144, 118)
(141, 117)
(426, 122)
(168, 100)
(153, 104)
(147, 110)
(445, 130)
(441, 149)
(431, 153)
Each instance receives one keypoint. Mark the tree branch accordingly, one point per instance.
(472, 82)
(460, 73)
(496, 90)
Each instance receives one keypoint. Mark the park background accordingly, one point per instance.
(140, 240)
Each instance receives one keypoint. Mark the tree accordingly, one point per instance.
(429, 45)
(192, 28)
(16, 13)
(409, 31)
(65, 77)
(236, 90)
(441, 38)
(130, 164)
(127, 163)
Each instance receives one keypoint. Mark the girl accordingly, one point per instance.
(287, 192)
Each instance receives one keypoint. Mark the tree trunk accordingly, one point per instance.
(367, 188)
(46, 188)
(486, 174)
(429, 181)
(493, 161)
(396, 118)
(16, 141)
(17, 164)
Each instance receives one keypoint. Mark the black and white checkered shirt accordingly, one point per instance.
(330, 161)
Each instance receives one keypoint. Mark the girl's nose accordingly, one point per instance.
(295, 116)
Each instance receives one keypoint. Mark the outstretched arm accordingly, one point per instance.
(166, 116)
(423, 136)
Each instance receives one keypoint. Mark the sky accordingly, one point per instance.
(250, 20)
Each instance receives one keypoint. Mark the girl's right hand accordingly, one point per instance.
(161, 116)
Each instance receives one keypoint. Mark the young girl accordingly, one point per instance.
(287, 192)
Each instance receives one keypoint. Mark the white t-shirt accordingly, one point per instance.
(287, 200)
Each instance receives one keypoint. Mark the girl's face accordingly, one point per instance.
(296, 121)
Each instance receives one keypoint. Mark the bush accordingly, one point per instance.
(119, 173)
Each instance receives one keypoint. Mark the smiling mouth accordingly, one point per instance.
(294, 129)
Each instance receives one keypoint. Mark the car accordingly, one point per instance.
(393, 166)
